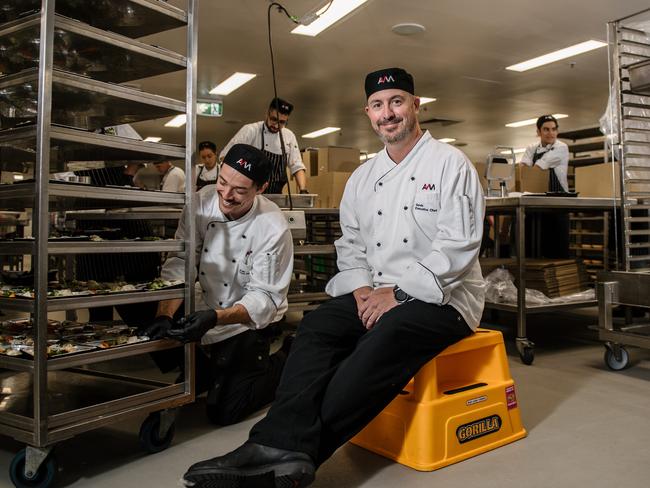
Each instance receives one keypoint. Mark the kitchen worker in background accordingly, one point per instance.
(552, 155)
(266, 136)
(208, 170)
(245, 261)
(173, 177)
(409, 285)
(549, 154)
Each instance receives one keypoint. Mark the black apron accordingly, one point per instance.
(278, 173)
(201, 183)
(553, 227)
(554, 184)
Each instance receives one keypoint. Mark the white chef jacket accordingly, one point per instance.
(205, 174)
(555, 156)
(417, 224)
(173, 180)
(252, 134)
(247, 261)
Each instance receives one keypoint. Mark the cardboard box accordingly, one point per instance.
(531, 179)
(310, 160)
(596, 180)
(329, 187)
(345, 159)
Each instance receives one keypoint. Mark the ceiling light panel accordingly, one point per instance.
(523, 123)
(424, 100)
(177, 121)
(228, 86)
(328, 15)
(447, 140)
(321, 132)
(567, 52)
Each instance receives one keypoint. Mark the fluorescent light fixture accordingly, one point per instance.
(177, 121)
(18, 177)
(447, 140)
(366, 157)
(328, 15)
(153, 139)
(424, 100)
(321, 132)
(231, 84)
(567, 52)
(519, 150)
(522, 123)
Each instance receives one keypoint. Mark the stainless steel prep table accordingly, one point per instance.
(518, 206)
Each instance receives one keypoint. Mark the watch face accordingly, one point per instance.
(400, 295)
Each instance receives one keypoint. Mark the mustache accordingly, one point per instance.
(393, 120)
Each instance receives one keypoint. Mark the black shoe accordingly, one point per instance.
(253, 465)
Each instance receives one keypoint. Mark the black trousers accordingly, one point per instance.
(239, 374)
(339, 376)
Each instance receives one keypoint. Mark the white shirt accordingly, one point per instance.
(247, 261)
(417, 224)
(173, 180)
(252, 134)
(555, 156)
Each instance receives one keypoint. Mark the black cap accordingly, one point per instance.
(546, 118)
(389, 78)
(249, 161)
(282, 106)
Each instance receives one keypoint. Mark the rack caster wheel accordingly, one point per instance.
(614, 363)
(42, 478)
(527, 356)
(151, 439)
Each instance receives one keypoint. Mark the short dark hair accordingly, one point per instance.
(208, 145)
(546, 118)
(282, 106)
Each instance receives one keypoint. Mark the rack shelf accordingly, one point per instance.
(79, 101)
(133, 18)
(84, 50)
(102, 247)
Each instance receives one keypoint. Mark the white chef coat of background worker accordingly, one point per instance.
(551, 153)
(252, 134)
(418, 225)
(246, 261)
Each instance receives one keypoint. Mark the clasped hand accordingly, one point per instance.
(372, 304)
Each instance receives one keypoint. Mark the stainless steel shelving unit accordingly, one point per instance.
(62, 60)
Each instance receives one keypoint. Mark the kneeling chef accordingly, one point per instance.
(245, 261)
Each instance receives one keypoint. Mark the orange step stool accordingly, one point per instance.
(460, 404)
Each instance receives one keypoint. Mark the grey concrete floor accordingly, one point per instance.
(587, 427)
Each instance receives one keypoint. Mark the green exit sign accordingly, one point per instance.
(210, 109)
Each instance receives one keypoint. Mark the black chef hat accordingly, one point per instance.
(249, 161)
(546, 118)
(389, 78)
(282, 106)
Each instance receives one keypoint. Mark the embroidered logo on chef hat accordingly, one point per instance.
(389, 78)
(282, 106)
(250, 162)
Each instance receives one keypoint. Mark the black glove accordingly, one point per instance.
(194, 326)
(158, 329)
(304, 191)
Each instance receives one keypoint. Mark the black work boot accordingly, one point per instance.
(253, 465)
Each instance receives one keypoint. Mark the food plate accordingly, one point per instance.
(116, 341)
(58, 350)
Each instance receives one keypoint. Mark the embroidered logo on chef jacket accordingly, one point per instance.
(428, 186)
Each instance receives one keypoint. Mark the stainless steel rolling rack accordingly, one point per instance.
(629, 76)
(61, 72)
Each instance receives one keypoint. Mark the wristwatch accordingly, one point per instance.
(400, 295)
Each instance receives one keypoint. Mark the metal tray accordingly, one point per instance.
(304, 200)
(133, 18)
(84, 50)
(80, 102)
(640, 77)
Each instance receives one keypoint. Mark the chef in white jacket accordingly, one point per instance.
(409, 285)
(549, 154)
(245, 260)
